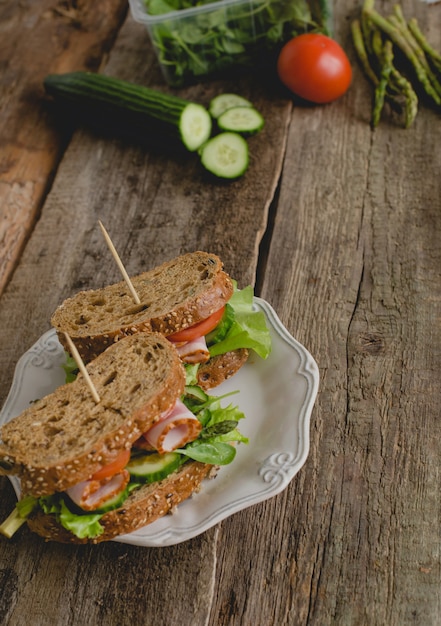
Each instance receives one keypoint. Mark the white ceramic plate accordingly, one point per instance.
(276, 395)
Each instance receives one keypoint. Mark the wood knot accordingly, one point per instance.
(372, 343)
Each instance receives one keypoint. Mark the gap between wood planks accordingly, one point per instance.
(265, 244)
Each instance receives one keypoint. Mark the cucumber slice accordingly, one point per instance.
(226, 155)
(226, 101)
(194, 126)
(151, 467)
(246, 120)
(113, 503)
(196, 392)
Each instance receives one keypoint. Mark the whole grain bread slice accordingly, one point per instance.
(174, 296)
(142, 507)
(221, 367)
(65, 437)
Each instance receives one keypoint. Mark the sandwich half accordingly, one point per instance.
(190, 300)
(90, 470)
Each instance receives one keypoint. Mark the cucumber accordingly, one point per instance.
(196, 392)
(226, 155)
(244, 120)
(121, 102)
(223, 102)
(113, 503)
(151, 467)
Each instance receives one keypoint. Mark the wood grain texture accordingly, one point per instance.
(38, 38)
(155, 205)
(350, 261)
(353, 270)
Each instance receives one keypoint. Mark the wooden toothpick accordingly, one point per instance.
(82, 368)
(119, 263)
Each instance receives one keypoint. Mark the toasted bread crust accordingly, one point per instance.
(72, 436)
(143, 507)
(220, 368)
(174, 296)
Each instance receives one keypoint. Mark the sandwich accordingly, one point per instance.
(190, 300)
(92, 469)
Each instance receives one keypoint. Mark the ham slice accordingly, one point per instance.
(93, 494)
(174, 430)
(195, 351)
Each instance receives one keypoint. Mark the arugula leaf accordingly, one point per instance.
(233, 435)
(214, 453)
(230, 413)
(213, 445)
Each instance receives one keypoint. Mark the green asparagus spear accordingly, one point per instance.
(360, 48)
(399, 21)
(397, 38)
(380, 91)
(410, 97)
(431, 53)
(376, 40)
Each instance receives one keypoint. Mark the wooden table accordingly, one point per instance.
(339, 228)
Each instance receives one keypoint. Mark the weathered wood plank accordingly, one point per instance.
(108, 584)
(37, 38)
(353, 270)
(155, 206)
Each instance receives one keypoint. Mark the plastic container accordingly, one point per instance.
(210, 39)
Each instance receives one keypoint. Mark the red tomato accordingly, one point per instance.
(199, 329)
(113, 468)
(315, 68)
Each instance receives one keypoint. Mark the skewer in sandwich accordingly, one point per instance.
(91, 471)
(190, 300)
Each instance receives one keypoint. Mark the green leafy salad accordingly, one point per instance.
(242, 33)
(240, 327)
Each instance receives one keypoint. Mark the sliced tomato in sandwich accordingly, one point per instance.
(198, 330)
(112, 468)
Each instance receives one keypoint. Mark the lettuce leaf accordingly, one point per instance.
(70, 368)
(241, 327)
(18, 517)
(82, 526)
(26, 505)
(191, 371)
